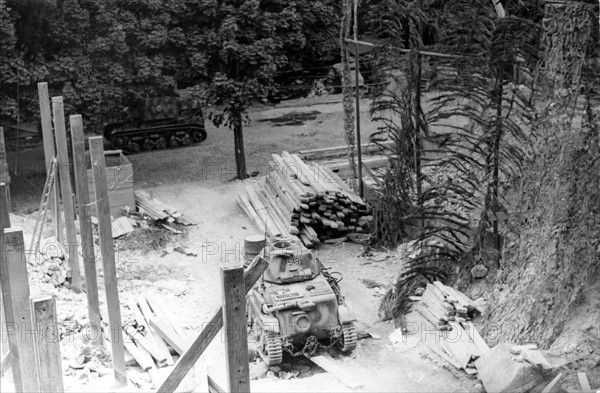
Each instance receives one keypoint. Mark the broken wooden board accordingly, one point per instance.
(516, 349)
(551, 385)
(583, 381)
(535, 357)
(328, 364)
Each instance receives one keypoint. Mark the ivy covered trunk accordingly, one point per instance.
(551, 273)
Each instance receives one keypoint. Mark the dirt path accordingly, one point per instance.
(196, 181)
(382, 365)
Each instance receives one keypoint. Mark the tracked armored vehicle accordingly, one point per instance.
(157, 123)
(297, 306)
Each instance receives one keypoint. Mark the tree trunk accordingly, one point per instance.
(496, 161)
(240, 156)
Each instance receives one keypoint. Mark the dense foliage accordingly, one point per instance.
(102, 55)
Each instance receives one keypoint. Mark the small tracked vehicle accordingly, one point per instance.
(297, 306)
(157, 123)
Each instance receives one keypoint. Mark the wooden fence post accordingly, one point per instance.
(4, 223)
(66, 191)
(4, 170)
(234, 326)
(108, 258)
(43, 314)
(15, 294)
(85, 227)
(49, 154)
(191, 356)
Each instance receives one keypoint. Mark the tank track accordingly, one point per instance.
(271, 348)
(135, 140)
(349, 338)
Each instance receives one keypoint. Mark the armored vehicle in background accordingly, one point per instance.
(157, 123)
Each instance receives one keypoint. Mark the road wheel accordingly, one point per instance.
(270, 348)
(186, 140)
(349, 338)
(147, 145)
(174, 142)
(118, 142)
(198, 136)
(161, 143)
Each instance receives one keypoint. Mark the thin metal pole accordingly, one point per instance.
(358, 143)
(356, 73)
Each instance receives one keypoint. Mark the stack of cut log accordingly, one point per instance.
(307, 201)
(153, 335)
(451, 310)
(335, 159)
(441, 304)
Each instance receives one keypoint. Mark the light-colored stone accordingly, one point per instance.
(479, 271)
(258, 370)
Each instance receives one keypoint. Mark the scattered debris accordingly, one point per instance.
(121, 226)
(50, 264)
(159, 211)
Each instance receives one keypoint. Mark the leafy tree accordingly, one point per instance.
(243, 45)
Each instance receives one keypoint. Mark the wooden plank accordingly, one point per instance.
(189, 358)
(234, 325)
(164, 330)
(457, 344)
(6, 361)
(145, 343)
(141, 356)
(43, 312)
(85, 227)
(49, 154)
(536, 358)
(583, 381)
(5, 217)
(476, 338)
(213, 386)
(108, 260)
(551, 385)
(445, 356)
(66, 190)
(15, 294)
(344, 376)
(152, 334)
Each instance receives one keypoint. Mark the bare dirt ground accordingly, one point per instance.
(197, 181)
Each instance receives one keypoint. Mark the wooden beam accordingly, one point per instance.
(424, 53)
(236, 334)
(4, 216)
(164, 330)
(189, 358)
(15, 294)
(6, 360)
(43, 313)
(328, 364)
(66, 191)
(4, 223)
(583, 381)
(49, 154)
(108, 259)
(550, 386)
(85, 227)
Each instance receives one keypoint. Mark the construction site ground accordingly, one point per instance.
(198, 181)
